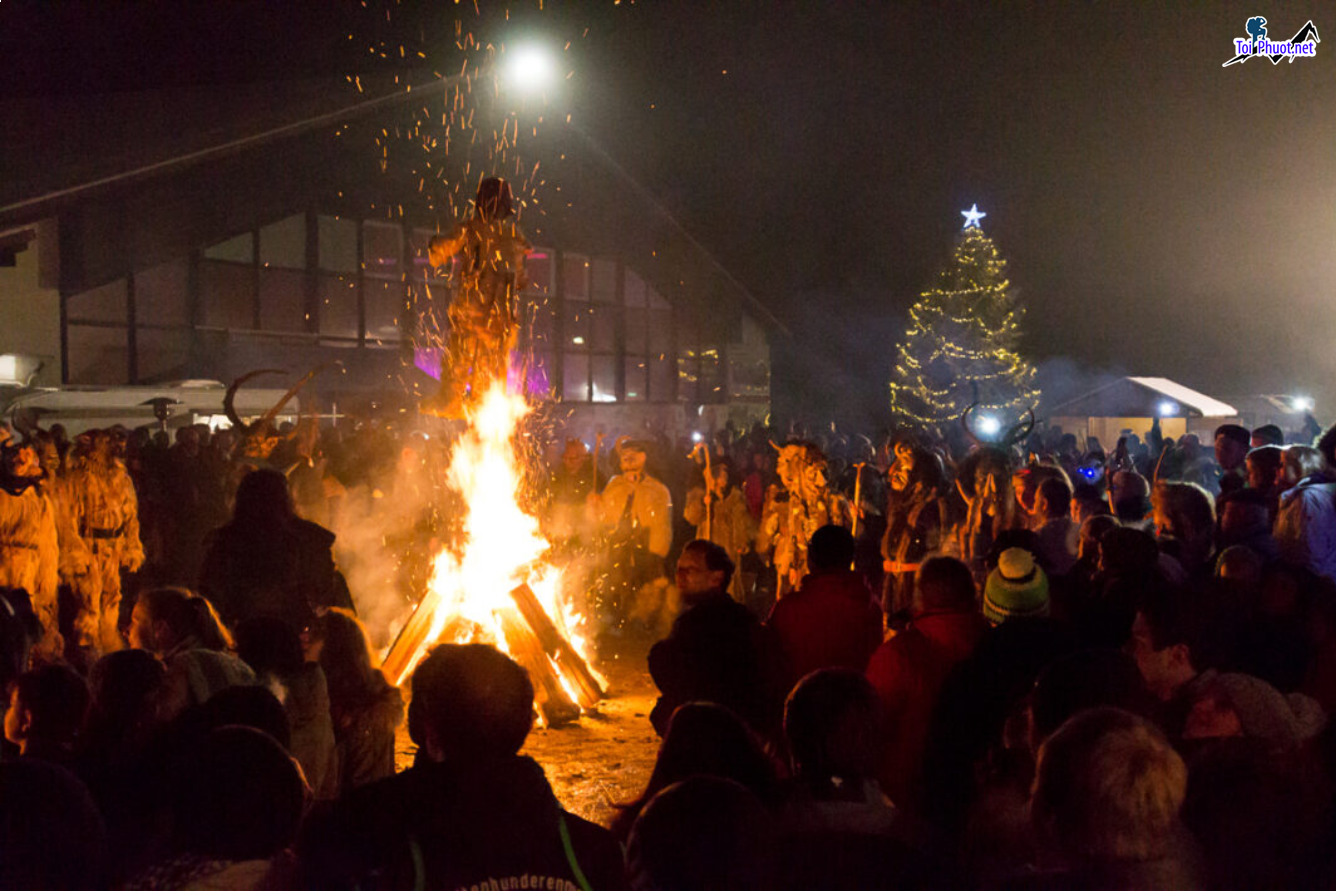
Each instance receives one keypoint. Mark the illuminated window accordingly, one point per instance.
(637, 379)
(604, 373)
(575, 378)
(575, 275)
(338, 244)
(283, 244)
(604, 281)
(382, 250)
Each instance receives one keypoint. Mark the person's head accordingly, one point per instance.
(1054, 498)
(1326, 446)
(704, 738)
(166, 618)
(1083, 680)
(831, 549)
(338, 641)
(1267, 435)
(1262, 465)
(1017, 588)
(575, 455)
(632, 456)
(1092, 533)
(470, 702)
(188, 439)
(719, 476)
(1243, 512)
(1129, 493)
(703, 568)
(1108, 787)
(270, 647)
(1183, 511)
(1299, 462)
(1240, 565)
(703, 834)
(20, 460)
(1126, 551)
(1231, 445)
(1166, 642)
(493, 202)
(236, 795)
(943, 584)
(1087, 502)
(124, 688)
(830, 722)
(46, 706)
(1233, 704)
(263, 498)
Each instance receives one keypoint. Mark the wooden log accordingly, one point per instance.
(569, 662)
(553, 702)
(411, 643)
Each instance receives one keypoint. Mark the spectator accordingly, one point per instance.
(1245, 519)
(1169, 645)
(1017, 588)
(20, 629)
(703, 739)
(268, 561)
(273, 650)
(364, 708)
(704, 834)
(1263, 467)
(1231, 448)
(717, 650)
(51, 835)
(472, 811)
(1087, 502)
(1306, 520)
(183, 630)
(236, 801)
(831, 620)
(1185, 524)
(1085, 680)
(1267, 435)
(46, 711)
(1054, 527)
(1105, 808)
(125, 688)
(1232, 704)
(908, 670)
(1129, 493)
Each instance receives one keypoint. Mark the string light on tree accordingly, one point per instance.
(960, 347)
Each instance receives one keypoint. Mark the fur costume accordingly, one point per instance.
(792, 514)
(30, 550)
(106, 515)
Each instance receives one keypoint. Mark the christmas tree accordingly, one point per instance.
(961, 344)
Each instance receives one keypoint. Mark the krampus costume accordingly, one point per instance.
(29, 545)
(917, 520)
(485, 311)
(106, 515)
(793, 513)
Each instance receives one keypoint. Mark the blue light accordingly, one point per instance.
(972, 216)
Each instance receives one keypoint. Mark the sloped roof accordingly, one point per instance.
(1209, 408)
(1126, 396)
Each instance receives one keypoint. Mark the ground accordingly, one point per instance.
(604, 758)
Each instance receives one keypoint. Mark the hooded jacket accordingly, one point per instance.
(1306, 525)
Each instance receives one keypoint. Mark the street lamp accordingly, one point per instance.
(989, 426)
(1168, 409)
(528, 68)
(1303, 403)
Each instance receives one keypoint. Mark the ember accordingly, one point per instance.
(496, 586)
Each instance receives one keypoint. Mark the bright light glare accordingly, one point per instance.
(989, 425)
(529, 68)
(696, 437)
(1303, 403)
(1168, 409)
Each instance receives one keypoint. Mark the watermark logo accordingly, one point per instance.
(1257, 46)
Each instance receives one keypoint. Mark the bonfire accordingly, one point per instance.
(495, 586)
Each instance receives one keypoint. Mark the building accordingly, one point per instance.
(273, 241)
(1131, 405)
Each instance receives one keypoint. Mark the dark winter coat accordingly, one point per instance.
(283, 570)
(717, 651)
(480, 824)
(830, 622)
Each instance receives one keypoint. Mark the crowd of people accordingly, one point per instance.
(920, 661)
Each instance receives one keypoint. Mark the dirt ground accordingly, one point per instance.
(603, 758)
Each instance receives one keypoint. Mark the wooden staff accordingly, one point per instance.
(858, 495)
(709, 484)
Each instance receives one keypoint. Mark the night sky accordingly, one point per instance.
(1163, 215)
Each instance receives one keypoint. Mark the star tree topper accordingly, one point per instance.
(972, 216)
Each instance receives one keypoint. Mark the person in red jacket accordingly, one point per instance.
(831, 621)
(908, 670)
